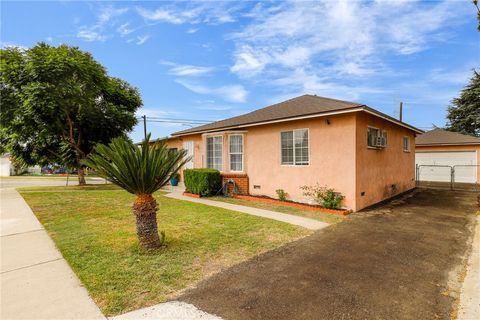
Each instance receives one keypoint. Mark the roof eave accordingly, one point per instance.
(259, 123)
(315, 115)
(447, 144)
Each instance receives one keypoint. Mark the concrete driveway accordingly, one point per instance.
(402, 260)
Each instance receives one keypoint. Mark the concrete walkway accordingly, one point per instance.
(172, 310)
(36, 282)
(470, 295)
(288, 218)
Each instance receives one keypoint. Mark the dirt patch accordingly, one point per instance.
(397, 261)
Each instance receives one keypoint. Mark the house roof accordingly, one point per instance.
(443, 137)
(306, 106)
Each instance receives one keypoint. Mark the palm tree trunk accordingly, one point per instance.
(145, 210)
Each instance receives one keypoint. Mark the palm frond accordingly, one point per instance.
(138, 169)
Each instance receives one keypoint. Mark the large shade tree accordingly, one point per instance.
(140, 170)
(58, 102)
(464, 112)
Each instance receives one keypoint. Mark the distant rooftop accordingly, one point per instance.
(306, 105)
(443, 137)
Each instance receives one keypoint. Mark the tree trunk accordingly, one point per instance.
(145, 210)
(81, 176)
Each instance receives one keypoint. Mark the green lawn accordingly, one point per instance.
(317, 215)
(95, 230)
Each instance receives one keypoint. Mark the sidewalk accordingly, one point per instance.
(36, 282)
(469, 307)
(283, 217)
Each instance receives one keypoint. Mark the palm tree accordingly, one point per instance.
(140, 170)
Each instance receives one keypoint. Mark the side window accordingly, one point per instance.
(295, 147)
(372, 134)
(406, 144)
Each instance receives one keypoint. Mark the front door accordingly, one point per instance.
(189, 147)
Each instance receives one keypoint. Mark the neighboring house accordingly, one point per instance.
(8, 169)
(444, 148)
(360, 152)
(5, 165)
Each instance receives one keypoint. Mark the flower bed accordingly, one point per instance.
(305, 206)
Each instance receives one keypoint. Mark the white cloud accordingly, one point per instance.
(163, 15)
(142, 39)
(105, 18)
(316, 45)
(214, 108)
(158, 113)
(248, 62)
(188, 70)
(108, 13)
(212, 13)
(185, 70)
(192, 30)
(91, 35)
(124, 29)
(232, 93)
(459, 77)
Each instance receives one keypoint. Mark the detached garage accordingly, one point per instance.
(438, 151)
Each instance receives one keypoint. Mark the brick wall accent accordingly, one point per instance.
(240, 179)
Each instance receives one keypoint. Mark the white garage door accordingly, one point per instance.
(465, 174)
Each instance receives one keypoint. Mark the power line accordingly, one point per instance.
(180, 119)
(185, 122)
(174, 119)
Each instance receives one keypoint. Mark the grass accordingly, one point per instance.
(317, 215)
(94, 229)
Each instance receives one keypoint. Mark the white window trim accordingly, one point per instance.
(243, 152)
(409, 144)
(206, 150)
(385, 134)
(309, 147)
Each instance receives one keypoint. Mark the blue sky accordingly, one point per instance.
(212, 60)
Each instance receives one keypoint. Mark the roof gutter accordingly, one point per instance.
(388, 118)
(447, 144)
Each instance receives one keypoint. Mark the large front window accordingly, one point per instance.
(215, 152)
(295, 147)
(236, 152)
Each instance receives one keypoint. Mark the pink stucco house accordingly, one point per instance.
(359, 151)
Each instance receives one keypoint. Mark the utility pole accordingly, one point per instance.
(144, 126)
(401, 111)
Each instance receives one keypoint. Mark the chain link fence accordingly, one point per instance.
(455, 177)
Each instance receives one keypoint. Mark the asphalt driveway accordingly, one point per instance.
(402, 260)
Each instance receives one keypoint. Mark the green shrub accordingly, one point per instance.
(326, 197)
(203, 181)
(282, 195)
